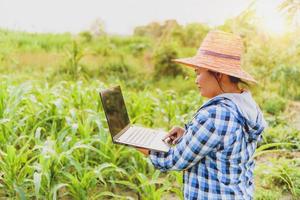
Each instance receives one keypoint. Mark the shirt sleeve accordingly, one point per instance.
(201, 138)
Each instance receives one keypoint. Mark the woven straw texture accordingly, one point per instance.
(220, 52)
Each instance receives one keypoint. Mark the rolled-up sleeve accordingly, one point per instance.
(201, 137)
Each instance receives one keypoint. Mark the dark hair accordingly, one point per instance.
(232, 79)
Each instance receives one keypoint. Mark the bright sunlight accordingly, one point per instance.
(271, 20)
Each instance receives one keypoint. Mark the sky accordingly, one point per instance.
(118, 16)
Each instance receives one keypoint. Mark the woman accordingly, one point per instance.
(215, 149)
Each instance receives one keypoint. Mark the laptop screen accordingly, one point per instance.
(115, 110)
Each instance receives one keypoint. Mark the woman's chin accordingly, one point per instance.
(203, 94)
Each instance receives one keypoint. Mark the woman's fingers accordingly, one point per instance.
(176, 140)
(174, 135)
(171, 133)
(179, 133)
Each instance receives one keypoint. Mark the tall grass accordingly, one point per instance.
(55, 142)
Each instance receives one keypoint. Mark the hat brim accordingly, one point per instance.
(218, 66)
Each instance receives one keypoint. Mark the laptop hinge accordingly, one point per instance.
(116, 137)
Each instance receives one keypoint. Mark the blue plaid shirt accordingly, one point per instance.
(215, 153)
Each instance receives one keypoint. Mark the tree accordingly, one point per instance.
(97, 28)
(292, 10)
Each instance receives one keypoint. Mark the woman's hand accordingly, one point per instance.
(174, 135)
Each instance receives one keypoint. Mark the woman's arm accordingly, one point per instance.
(203, 136)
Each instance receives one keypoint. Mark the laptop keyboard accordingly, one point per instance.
(141, 136)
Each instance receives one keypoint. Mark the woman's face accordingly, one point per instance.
(207, 83)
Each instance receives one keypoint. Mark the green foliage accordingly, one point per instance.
(166, 104)
(163, 64)
(74, 55)
(86, 36)
(116, 67)
(153, 29)
(282, 134)
(55, 144)
(274, 104)
(189, 36)
(279, 173)
(267, 194)
(288, 77)
(54, 141)
(193, 34)
(34, 42)
(291, 8)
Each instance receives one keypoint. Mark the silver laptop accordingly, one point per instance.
(122, 132)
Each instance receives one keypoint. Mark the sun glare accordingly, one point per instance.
(271, 20)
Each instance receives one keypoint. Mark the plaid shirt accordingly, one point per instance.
(214, 154)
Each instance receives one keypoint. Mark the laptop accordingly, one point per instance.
(120, 128)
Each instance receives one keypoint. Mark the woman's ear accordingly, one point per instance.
(219, 76)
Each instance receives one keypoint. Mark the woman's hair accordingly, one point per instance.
(233, 79)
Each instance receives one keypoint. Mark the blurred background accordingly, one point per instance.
(55, 56)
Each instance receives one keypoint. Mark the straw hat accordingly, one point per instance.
(219, 52)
